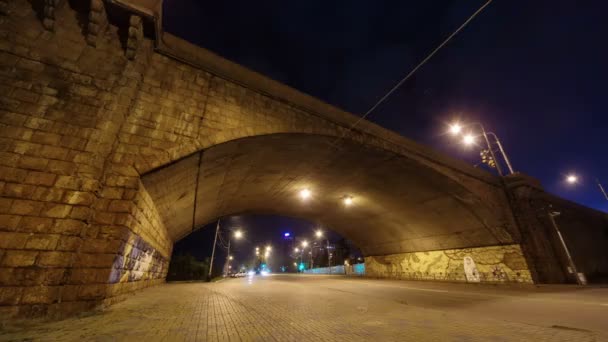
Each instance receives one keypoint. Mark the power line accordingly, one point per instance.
(390, 92)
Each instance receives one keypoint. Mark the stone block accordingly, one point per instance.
(19, 258)
(90, 276)
(9, 222)
(68, 226)
(40, 294)
(54, 259)
(40, 178)
(81, 213)
(24, 191)
(35, 224)
(48, 194)
(12, 240)
(25, 207)
(101, 246)
(46, 138)
(5, 205)
(78, 198)
(68, 182)
(56, 210)
(61, 167)
(11, 174)
(69, 243)
(92, 291)
(94, 260)
(33, 163)
(104, 218)
(42, 241)
(10, 295)
(121, 206)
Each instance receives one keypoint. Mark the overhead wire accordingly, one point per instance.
(413, 71)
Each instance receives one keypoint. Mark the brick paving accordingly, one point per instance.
(278, 309)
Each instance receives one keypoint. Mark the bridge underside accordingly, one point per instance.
(399, 205)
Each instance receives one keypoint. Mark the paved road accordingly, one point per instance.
(330, 308)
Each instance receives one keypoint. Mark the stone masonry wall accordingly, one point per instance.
(77, 228)
(497, 264)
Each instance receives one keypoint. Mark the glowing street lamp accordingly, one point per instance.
(305, 194)
(468, 139)
(348, 200)
(238, 234)
(296, 250)
(455, 128)
(230, 257)
(319, 233)
(304, 243)
(572, 179)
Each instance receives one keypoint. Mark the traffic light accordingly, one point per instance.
(487, 159)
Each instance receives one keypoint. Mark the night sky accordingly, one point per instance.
(534, 72)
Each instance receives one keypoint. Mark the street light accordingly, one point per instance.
(237, 235)
(456, 129)
(348, 200)
(304, 243)
(319, 233)
(296, 250)
(572, 178)
(468, 140)
(305, 194)
(230, 257)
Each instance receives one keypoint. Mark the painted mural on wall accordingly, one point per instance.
(138, 261)
(483, 264)
(470, 270)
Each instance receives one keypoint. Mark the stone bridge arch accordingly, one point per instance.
(401, 205)
(93, 95)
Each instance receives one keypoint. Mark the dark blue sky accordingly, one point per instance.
(534, 72)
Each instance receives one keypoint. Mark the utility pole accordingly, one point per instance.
(217, 229)
(552, 215)
(226, 268)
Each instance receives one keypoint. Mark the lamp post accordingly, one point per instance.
(319, 234)
(468, 139)
(574, 179)
(237, 235)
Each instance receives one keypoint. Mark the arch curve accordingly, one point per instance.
(400, 205)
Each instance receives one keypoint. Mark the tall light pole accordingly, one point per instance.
(319, 234)
(237, 235)
(552, 215)
(469, 139)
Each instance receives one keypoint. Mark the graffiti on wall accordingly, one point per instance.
(138, 261)
(483, 264)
